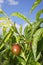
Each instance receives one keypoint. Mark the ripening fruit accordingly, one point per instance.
(16, 49)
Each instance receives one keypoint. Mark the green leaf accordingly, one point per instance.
(17, 38)
(38, 56)
(27, 31)
(4, 31)
(40, 45)
(20, 29)
(35, 27)
(1, 12)
(7, 22)
(37, 63)
(8, 35)
(6, 38)
(37, 36)
(3, 24)
(2, 52)
(3, 18)
(21, 16)
(21, 60)
(29, 58)
(38, 14)
(14, 28)
(13, 38)
(35, 4)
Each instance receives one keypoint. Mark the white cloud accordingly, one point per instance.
(13, 2)
(1, 2)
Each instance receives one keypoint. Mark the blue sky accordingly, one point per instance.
(22, 6)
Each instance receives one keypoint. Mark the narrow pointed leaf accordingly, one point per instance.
(37, 36)
(35, 4)
(21, 16)
(4, 31)
(6, 38)
(2, 18)
(35, 26)
(1, 12)
(21, 60)
(20, 29)
(38, 14)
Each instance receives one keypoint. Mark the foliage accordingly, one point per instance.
(31, 42)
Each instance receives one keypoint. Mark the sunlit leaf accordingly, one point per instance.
(38, 56)
(20, 29)
(22, 60)
(5, 22)
(37, 63)
(27, 31)
(21, 16)
(35, 27)
(4, 30)
(35, 4)
(1, 12)
(38, 14)
(3, 18)
(14, 28)
(6, 38)
(37, 36)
